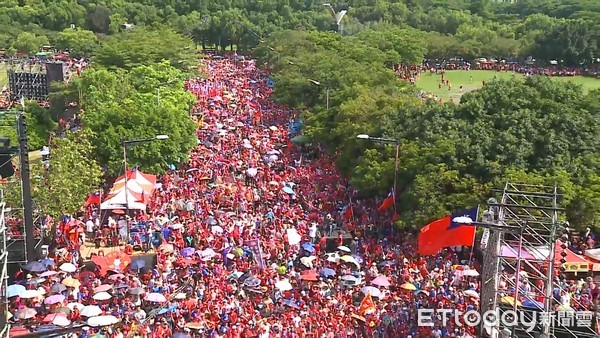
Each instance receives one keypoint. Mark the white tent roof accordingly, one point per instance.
(539, 252)
(132, 185)
(119, 201)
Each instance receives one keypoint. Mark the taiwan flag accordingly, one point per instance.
(387, 202)
(444, 233)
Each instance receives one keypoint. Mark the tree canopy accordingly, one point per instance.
(72, 174)
(474, 28)
(123, 105)
(534, 130)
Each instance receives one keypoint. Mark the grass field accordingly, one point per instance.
(3, 75)
(429, 83)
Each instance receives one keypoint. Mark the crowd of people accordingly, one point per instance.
(254, 237)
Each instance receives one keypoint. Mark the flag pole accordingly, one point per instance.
(473, 244)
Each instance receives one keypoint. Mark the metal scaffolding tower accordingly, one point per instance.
(23, 234)
(524, 269)
(4, 327)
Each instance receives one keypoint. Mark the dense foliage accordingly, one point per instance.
(533, 130)
(123, 105)
(471, 28)
(73, 173)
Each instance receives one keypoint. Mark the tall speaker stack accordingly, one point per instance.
(33, 82)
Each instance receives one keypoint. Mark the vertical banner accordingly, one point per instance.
(254, 245)
(485, 238)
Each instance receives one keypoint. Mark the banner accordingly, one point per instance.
(254, 245)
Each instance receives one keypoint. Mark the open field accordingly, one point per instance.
(471, 80)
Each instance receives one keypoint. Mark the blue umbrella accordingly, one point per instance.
(14, 290)
(47, 262)
(180, 335)
(327, 272)
(358, 259)
(187, 252)
(35, 267)
(533, 304)
(288, 190)
(290, 303)
(164, 310)
(137, 264)
(252, 282)
(308, 247)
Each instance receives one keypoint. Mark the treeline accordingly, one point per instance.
(117, 100)
(565, 31)
(530, 130)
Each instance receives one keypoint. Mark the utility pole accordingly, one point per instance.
(30, 248)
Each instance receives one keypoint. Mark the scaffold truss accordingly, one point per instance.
(15, 233)
(4, 327)
(525, 274)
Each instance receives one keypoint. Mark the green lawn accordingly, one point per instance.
(471, 80)
(3, 75)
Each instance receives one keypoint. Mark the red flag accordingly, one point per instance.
(387, 202)
(444, 233)
(348, 213)
(366, 305)
(93, 199)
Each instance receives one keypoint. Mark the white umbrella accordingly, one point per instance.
(208, 253)
(91, 311)
(102, 296)
(216, 229)
(471, 293)
(155, 297)
(61, 321)
(381, 281)
(68, 267)
(344, 248)
(180, 295)
(333, 257)
(252, 172)
(373, 291)
(283, 285)
(102, 321)
(349, 278)
(26, 313)
(307, 261)
(470, 273)
(28, 294)
(350, 259)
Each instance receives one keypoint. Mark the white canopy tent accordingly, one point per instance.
(133, 201)
(145, 181)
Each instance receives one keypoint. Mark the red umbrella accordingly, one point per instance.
(309, 275)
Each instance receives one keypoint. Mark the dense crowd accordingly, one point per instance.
(255, 237)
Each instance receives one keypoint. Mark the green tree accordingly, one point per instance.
(142, 45)
(29, 43)
(123, 106)
(78, 41)
(73, 173)
(570, 41)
